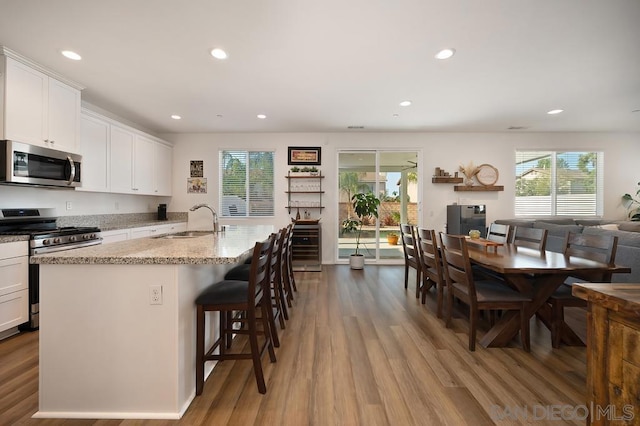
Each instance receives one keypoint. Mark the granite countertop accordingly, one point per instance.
(232, 246)
(13, 238)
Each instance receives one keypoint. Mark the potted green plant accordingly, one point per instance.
(365, 205)
(632, 205)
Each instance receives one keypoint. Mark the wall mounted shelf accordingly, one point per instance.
(478, 188)
(439, 179)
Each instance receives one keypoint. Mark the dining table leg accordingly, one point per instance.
(540, 287)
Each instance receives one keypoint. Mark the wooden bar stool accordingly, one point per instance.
(229, 297)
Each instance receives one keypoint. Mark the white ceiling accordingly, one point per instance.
(321, 66)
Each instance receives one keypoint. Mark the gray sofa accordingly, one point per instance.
(628, 233)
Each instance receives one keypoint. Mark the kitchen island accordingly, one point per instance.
(117, 323)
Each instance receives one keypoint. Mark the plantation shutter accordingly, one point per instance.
(559, 183)
(246, 184)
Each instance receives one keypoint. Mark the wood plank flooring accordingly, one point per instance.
(358, 349)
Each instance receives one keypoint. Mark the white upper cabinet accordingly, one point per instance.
(121, 160)
(164, 166)
(95, 137)
(39, 109)
(144, 165)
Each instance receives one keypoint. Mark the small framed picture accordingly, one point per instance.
(304, 155)
(196, 185)
(197, 168)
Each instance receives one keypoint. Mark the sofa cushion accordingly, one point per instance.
(593, 222)
(630, 226)
(558, 230)
(525, 223)
(558, 220)
(625, 238)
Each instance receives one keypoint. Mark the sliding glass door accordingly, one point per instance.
(393, 177)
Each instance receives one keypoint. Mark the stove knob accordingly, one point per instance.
(45, 242)
(85, 237)
(72, 238)
(92, 236)
(56, 240)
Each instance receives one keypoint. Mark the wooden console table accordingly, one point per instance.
(613, 352)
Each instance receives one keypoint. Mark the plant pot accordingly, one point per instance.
(356, 261)
(392, 239)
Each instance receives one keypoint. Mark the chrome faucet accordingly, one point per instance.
(215, 215)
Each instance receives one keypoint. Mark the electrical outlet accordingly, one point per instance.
(155, 295)
(69, 205)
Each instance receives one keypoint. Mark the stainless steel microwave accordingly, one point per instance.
(24, 164)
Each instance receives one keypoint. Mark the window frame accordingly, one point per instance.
(555, 207)
(249, 197)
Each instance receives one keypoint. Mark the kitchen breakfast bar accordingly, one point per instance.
(117, 322)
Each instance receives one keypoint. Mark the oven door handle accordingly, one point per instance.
(72, 165)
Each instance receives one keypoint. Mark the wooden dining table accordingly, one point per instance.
(537, 274)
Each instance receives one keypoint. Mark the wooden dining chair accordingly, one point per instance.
(535, 238)
(601, 248)
(411, 256)
(431, 266)
(479, 295)
(238, 302)
(498, 233)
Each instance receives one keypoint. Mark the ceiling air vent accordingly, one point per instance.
(516, 128)
(355, 127)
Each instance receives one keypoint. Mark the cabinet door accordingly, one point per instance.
(94, 148)
(163, 169)
(121, 160)
(14, 309)
(143, 166)
(14, 274)
(115, 236)
(25, 104)
(146, 231)
(63, 116)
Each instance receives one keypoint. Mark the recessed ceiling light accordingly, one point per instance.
(396, 115)
(405, 103)
(71, 55)
(636, 110)
(356, 127)
(219, 53)
(176, 117)
(555, 111)
(445, 53)
(219, 115)
(261, 116)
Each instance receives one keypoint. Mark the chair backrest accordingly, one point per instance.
(601, 248)
(259, 272)
(276, 257)
(409, 246)
(457, 266)
(431, 263)
(535, 238)
(498, 232)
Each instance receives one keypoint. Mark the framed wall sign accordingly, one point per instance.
(196, 168)
(304, 155)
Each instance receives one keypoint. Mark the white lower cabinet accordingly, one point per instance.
(115, 236)
(141, 232)
(152, 231)
(14, 284)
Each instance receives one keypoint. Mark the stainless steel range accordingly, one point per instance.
(45, 237)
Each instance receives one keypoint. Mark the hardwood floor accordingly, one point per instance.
(358, 349)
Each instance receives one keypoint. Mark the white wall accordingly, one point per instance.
(445, 150)
(82, 203)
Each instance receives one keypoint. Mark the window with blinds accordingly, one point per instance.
(559, 183)
(246, 183)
